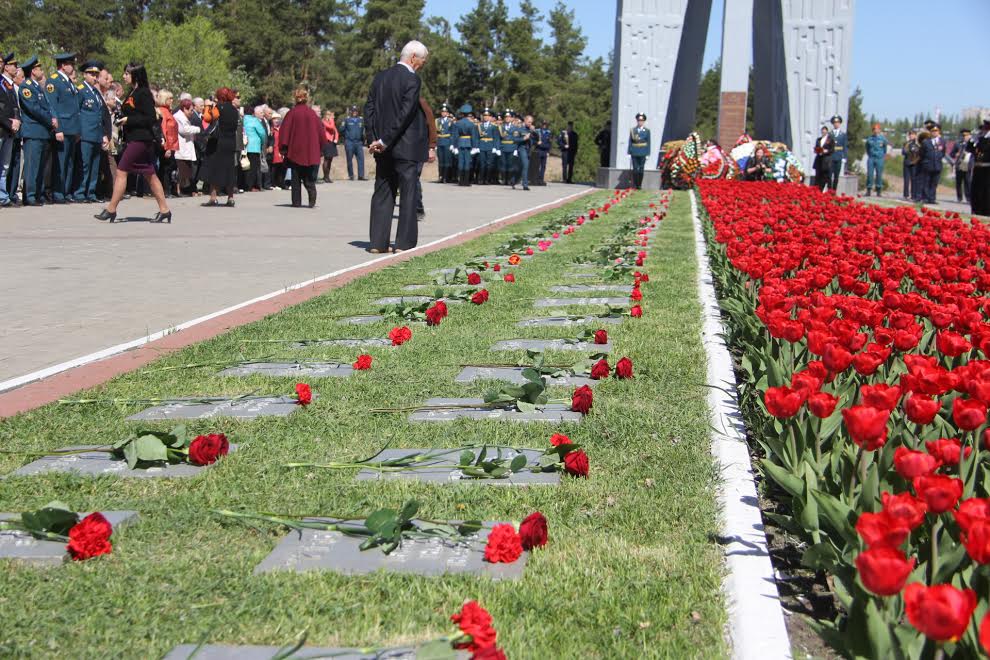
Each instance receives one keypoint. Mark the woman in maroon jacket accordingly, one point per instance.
(138, 121)
(300, 140)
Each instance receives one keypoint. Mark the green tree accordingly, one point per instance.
(857, 128)
(567, 49)
(482, 32)
(526, 79)
(191, 57)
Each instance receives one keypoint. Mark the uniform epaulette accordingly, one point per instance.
(54, 76)
(79, 86)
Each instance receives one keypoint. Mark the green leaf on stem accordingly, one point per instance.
(518, 463)
(379, 519)
(54, 517)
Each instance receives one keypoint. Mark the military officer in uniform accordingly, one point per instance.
(545, 141)
(507, 146)
(876, 153)
(487, 136)
(464, 135)
(10, 127)
(841, 151)
(639, 149)
(979, 146)
(93, 138)
(63, 99)
(354, 143)
(524, 134)
(444, 122)
(932, 155)
(38, 126)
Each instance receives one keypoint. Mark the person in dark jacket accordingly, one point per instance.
(911, 151)
(604, 143)
(302, 138)
(979, 147)
(932, 154)
(10, 124)
(222, 146)
(824, 148)
(138, 118)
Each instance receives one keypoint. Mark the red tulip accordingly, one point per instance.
(884, 570)
(985, 634)
(783, 402)
(905, 507)
(969, 414)
(977, 542)
(921, 409)
(867, 426)
(881, 529)
(972, 511)
(822, 404)
(880, 396)
(939, 492)
(910, 464)
(947, 450)
(942, 612)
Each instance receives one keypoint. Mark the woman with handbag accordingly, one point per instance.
(221, 146)
(137, 119)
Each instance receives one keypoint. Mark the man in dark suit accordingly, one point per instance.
(932, 153)
(399, 140)
(10, 124)
(572, 139)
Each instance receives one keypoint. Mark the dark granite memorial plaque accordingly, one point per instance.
(99, 463)
(445, 474)
(550, 345)
(553, 412)
(320, 550)
(242, 408)
(310, 370)
(21, 547)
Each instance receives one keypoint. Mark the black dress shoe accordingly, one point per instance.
(27, 203)
(163, 217)
(106, 215)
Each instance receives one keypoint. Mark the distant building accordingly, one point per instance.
(975, 113)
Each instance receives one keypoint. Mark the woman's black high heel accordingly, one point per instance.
(163, 217)
(106, 215)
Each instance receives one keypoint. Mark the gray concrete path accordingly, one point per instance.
(73, 285)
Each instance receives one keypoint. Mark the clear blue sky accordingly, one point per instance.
(908, 55)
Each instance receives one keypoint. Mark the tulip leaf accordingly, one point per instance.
(820, 557)
(789, 482)
(839, 516)
(879, 631)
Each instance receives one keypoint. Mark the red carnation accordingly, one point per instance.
(504, 545)
(558, 439)
(867, 426)
(304, 395)
(910, 464)
(400, 336)
(473, 279)
(635, 311)
(90, 537)
(582, 399)
(480, 298)
(884, 570)
(576, 463)
(362, 363)
(941, 612)
(636, 295)
(939, 492)
(600, 369)
(509, 277)
(969, 414)
(601, 337)
(497, 267)
(434, 314)
(624, 368)
(533, 531)
(476, 622)
(206, 449)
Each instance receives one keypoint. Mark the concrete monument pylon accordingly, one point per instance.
(800, 52)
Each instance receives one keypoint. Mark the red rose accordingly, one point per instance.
(206, 449)
(977, 542)
(90, 537)
(884, 570)
(635, 311)
(582, 399)
(441, 307)
(480, 298)
(624, 368)
(362, 363)
(576, 463)
(533, 531)
(474, 279)
(304, 395)
(636, 295)
(435, 314)
(783, 402)
(941, 612)
(600, 369)
(881, 529)
(558, 439)
(969, 414)
(400, 336)
(939, 492)
(476, 622)
(509, 277)
(822, 404)
(904, 507)
(921, 409)
(867, 426)
(910, 464)
(601, 337)
(947, 450)
(504, 545)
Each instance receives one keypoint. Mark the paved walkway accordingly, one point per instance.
(73, 285)
(944, 204)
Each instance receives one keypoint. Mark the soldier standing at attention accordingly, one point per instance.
(443, 123)
(10, 128)
(979, 197)
(876, 153)
(912, 154)
(63, 98)
(604, 143)
(508, 147)
(354, 143)
(932, 154)
(465, 136)
(639, 149)
(39, 125)
(522, 135)
(93, 138)
(487, 133)
(839, 155)
(543, 152)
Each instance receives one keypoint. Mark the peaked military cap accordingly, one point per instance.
(92, 66)
(640, 116)
(354, 108)
(30, 64)
(836, 118)
(466, 108)
(65, 57)
(9, 58)
(444, 106)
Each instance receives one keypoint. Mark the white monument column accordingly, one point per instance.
(647, 38)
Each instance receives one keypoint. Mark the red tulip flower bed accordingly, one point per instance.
(862, 344)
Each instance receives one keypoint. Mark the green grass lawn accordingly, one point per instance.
(630, 570)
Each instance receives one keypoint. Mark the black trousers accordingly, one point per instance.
(823, 176)
(979, 198)
(252, 178)
(909, 180)
(932, 178)
(962, 185)
(394, 177)
(303, 175)
(834, 174)
(567, 166)
(603, 158)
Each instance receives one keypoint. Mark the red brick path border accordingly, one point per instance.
(41, 392)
